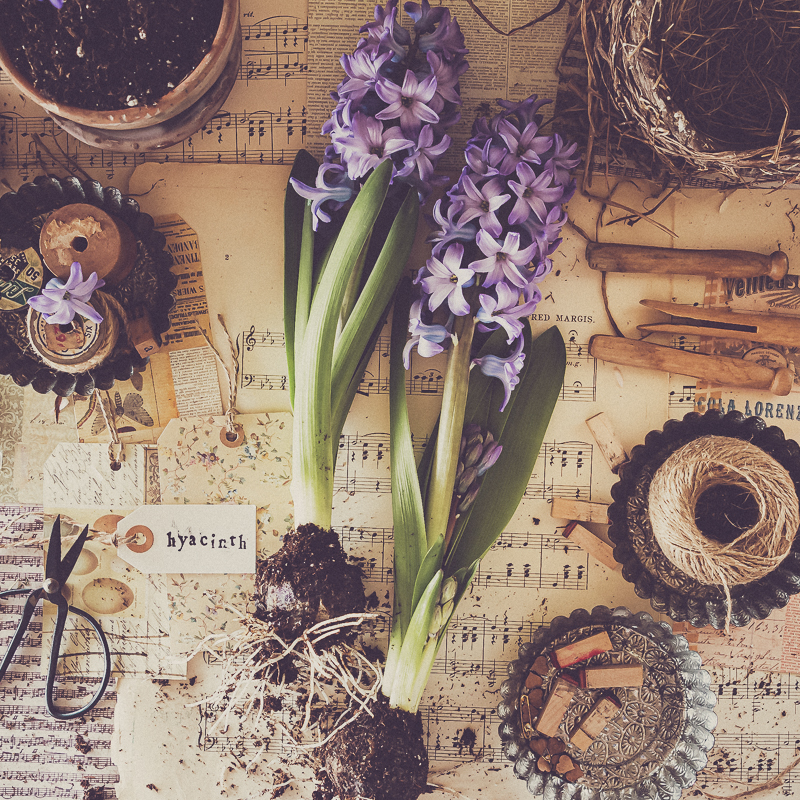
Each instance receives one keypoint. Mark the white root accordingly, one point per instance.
(251, 657)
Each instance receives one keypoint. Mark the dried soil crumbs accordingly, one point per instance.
(108, 54)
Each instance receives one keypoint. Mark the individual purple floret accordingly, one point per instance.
(56, 3)
(399, 96)
(505, 216)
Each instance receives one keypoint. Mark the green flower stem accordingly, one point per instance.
(305, 281)
(451, 422)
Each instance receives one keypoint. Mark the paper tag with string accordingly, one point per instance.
(190, 538)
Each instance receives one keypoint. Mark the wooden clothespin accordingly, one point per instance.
(632, 258)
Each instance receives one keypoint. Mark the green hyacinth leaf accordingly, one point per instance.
(523, 424)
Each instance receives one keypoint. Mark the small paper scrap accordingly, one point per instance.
(198, 539)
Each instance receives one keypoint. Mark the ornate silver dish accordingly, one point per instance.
(659, 740)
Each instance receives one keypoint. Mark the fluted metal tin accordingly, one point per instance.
(659, 741)
(149, 285)
(655, 578)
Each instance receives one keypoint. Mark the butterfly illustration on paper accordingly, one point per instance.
(132, 408)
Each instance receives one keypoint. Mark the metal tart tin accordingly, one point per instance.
(654, 577)
(658, 742)
(149, 284)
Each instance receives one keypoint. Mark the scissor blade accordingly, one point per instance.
(71, 558)
(53, 563)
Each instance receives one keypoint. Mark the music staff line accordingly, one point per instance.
(256, 137)
(563, 469)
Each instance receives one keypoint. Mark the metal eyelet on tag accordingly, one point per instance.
(224, 435)
(148, 539)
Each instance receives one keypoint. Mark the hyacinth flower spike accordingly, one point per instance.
(496, 230)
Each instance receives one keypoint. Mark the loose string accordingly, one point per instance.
(115, 445)
(233, 377)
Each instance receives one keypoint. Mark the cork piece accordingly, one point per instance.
(608, 441)
(87, 234)
(539, 746)
(578, 651)
(581, 510)
(593, 545)
(555, 708)
(611, 676)
(581, 740)
(141, 336)
(600, 714)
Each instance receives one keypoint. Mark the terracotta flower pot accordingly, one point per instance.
(177, 115)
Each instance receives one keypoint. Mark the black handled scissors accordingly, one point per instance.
(56, 573)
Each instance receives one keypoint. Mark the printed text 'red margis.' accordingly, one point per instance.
(190, 540)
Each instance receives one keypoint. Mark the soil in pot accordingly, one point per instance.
(380, 756)
(108, 54)
(308, 574)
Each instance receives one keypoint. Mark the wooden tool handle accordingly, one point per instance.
(721, 263)
(720, 370)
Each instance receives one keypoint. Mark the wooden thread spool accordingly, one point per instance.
(87, 234)
(83, 346)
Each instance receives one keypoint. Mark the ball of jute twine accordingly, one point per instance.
(720, 460)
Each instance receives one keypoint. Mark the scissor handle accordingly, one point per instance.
(61, 618)
(34, 595)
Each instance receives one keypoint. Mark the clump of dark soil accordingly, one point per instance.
(382, 757)
(308, 574)
(108, 54)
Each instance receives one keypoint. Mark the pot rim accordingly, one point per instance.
(169, 105)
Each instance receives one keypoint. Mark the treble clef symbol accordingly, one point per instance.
(250, 339)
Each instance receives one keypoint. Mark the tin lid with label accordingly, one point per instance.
(20, 279)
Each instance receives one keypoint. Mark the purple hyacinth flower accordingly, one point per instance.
(447, 281)
(503, 261)
(425, 337)
(333, 188)
(362, 73)
(505, 369)
(562, 161)
(447, 38)
(534, 193)
(480, 203)
(447, 75)
(546, 232)
(59, 302)
(408, 102)
(425, 154)
(524, 146)
(526, 110)
(367, 144)
(425, 18)
(504, 310)
(447, 229)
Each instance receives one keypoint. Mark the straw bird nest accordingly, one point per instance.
(709, 85)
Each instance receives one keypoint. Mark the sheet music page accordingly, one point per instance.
(43, 757)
